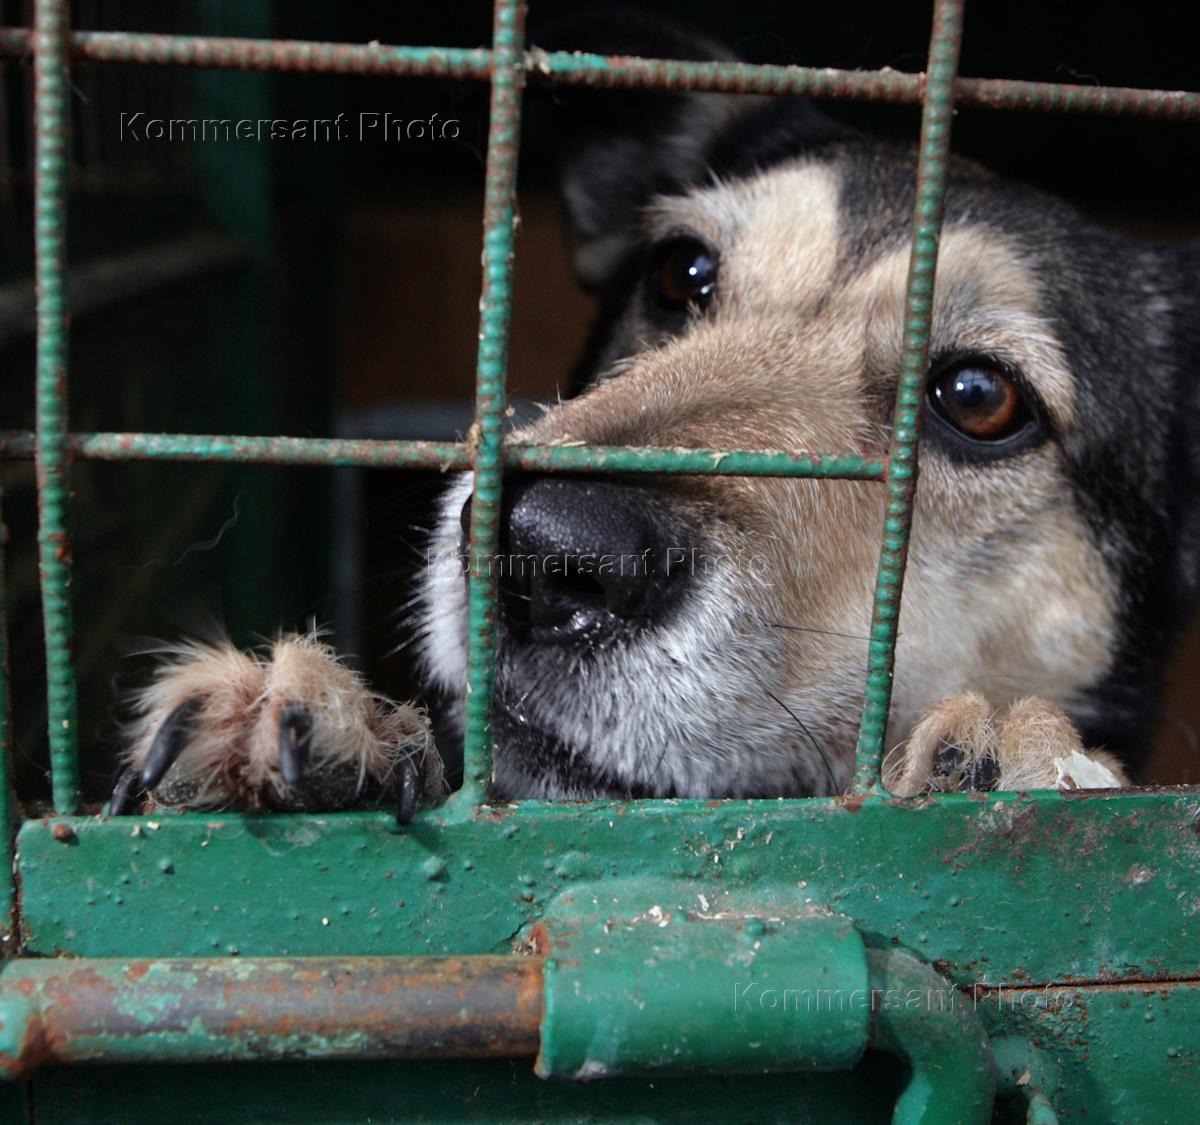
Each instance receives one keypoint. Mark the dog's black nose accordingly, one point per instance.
(581, 558)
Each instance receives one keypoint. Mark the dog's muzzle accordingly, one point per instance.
(582, 561)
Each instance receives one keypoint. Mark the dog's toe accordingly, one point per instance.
(953, 748)
(1039, 748)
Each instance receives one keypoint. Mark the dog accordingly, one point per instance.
(701, 636)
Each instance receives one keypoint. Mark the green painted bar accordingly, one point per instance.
(495, 315)
(376, 453)
(901, 477)
(578, 68)
(52, 86)
(56, 1011)
(708, 462)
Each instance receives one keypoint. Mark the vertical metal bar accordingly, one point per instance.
(51, 128)
(7, 803)
(901, 478)
(495, 311)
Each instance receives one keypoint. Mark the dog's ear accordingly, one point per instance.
(619, 148)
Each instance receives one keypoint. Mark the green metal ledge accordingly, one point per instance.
(1111, 880)
(1107, 883)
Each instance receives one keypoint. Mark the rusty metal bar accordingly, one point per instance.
(379, 453)
(51, 131)
(575, 68)
(264, 1009)
(932, 156)
(223, 1010)
(495, 315)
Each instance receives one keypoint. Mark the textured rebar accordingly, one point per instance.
(901, 478)
(51, 129)
(495, 314)
(446, 455)
(577, 68)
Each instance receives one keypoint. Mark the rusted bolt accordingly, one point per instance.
(63, 833)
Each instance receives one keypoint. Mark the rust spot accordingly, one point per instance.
(852, 802)
(64, 834)
(1020, 822)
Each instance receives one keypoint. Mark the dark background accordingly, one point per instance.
(332, 288)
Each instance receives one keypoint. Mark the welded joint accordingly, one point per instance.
(1024, 1072)
(918, 1014)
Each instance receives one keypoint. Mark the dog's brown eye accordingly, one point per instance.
(980, 402)
(683, 272)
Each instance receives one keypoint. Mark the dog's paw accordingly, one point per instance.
(964, 745)
(290, 729)
(953, 748)
(1041, 749)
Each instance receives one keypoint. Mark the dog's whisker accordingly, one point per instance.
(821, 632)
(833, 786)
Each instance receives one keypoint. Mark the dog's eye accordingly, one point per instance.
(683, 272)
(980, 402)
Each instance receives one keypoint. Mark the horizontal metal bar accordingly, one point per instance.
(222, 1010)
(580, 69)
(447, 455)
(266, 1009)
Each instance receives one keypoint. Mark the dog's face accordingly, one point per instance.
(706, 636)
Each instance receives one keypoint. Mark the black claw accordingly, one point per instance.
(169, 742)
(295, 742)
(125, 793)
(946, 759)
(981, 774)
(405, 786)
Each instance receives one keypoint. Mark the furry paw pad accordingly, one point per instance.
(954, 748)
(964, 744)
(291, 729)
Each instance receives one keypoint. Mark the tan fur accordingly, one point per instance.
(964, 721)
(231, 682)
(1024, 740)
(1033, 735)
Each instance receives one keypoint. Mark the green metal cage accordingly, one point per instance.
(344, 937)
